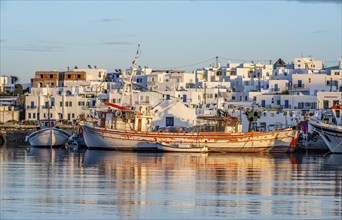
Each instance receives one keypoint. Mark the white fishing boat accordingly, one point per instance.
(186, 148)
(330, 128)
(48, 135)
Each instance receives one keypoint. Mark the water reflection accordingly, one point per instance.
(333, 162)
(110, 184)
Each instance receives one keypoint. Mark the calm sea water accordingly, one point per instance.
(61, 184)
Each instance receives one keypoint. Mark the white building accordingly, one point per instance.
(308, 63)
(326, 100)
(7, 84)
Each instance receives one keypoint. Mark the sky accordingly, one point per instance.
(53, 35)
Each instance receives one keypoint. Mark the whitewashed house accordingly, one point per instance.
(303, 82)
(173, 113)
(308, 63)
(326, 100)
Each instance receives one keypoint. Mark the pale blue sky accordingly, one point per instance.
(47, 35)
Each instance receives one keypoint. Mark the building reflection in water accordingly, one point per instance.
(171, 185)
(217, 183)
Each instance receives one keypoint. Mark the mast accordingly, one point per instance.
(48, 107)
(130, 81)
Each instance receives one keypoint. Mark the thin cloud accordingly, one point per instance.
(321, 31)
(117, 43)
(38, 48)
(319, 1)
(3, 40)
(106, 20)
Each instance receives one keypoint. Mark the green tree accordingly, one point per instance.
(18, 90)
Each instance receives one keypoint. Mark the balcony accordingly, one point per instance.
(298, 86)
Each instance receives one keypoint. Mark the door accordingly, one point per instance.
(184, 98)
(263, 103)
(139, 124)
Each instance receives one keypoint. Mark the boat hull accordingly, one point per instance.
(331, 134)
(185, 149)
(276, 141)
(48, 137)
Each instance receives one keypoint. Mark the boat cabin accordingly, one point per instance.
(124, 120)
(333, 115)
(224, 124)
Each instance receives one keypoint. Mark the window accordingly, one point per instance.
(78, 76)
(29, 115)
(69, 76)
(51, 76)
(73, 115)
(99, 74)
(33, 115)
(169, 121)
(309, 80)
(70, 103)
(32, 104)
(66, 104)
(41, 76)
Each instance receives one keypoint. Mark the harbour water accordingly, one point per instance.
(89, 184)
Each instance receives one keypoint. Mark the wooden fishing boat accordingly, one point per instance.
(125, 129)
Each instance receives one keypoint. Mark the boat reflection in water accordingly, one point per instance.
(110, 184)
(235, 185)
(47, 154)
(332, 162)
